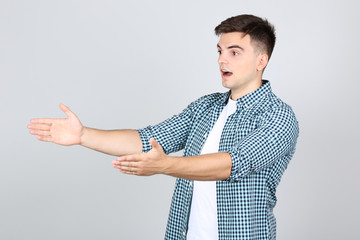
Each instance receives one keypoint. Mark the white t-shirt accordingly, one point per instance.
(203, 222)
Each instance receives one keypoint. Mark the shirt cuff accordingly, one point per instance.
(145, 138)
(234, 175)
(240, 166)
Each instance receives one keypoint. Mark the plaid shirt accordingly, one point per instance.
(260, 137)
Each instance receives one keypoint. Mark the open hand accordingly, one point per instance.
(66, 131)
(144, 164)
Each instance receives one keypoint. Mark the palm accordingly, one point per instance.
(65, 131)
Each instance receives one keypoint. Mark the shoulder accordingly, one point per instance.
(279, 114)
(270, 103)
(204, 104)
(209, 100)
(279, 106)
(212, 98)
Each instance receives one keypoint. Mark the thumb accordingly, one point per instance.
(66, 110)
(155, 144)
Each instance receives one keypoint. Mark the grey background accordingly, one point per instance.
(127, 64)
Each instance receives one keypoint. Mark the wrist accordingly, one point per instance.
(169, 165)
(83, 133)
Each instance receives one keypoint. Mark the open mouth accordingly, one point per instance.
(226, 73)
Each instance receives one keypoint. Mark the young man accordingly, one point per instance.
(236, 144)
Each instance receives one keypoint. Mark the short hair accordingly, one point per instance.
(261, 32)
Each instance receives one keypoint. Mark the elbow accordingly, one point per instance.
(239, 168)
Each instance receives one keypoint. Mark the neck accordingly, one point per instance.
(245, 89)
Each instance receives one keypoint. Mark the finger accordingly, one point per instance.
(125, 167)
(43, 120)
(66, 110)
(155, 144)
(128, 169)
(128, 172)
(132, 158)
(40, 133)
(44, 127)
(45, 139)
(115, 163)
(122, 162)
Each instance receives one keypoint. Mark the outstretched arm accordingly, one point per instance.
(70, 131)
(207, 167)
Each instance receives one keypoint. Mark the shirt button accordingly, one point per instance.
(190, 183)
(184, 233)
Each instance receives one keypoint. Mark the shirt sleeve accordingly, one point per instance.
(172, 133)
(273, 141)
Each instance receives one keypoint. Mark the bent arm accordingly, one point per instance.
(273, 141)
(208, 167)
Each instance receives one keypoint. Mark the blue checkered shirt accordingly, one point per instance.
(260, 137)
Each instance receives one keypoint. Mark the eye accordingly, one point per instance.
(235, 53)
(219, 52)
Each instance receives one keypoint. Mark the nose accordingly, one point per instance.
(222, 59)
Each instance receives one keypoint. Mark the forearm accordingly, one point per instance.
(112, 142)
(208, 167)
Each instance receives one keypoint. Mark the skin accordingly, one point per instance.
(237, 55)
(241, 67)
(70, 131)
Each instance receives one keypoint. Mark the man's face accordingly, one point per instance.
(239, 62)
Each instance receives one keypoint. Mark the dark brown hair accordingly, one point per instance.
(261, 32)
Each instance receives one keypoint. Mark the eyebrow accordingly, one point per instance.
(232, 46)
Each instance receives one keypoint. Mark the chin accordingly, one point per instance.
(226, 83)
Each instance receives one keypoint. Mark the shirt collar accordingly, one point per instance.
(250, 98)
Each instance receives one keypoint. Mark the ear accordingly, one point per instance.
(263, 60)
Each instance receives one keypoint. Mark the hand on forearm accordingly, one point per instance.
(216, 166)
(144, 164)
